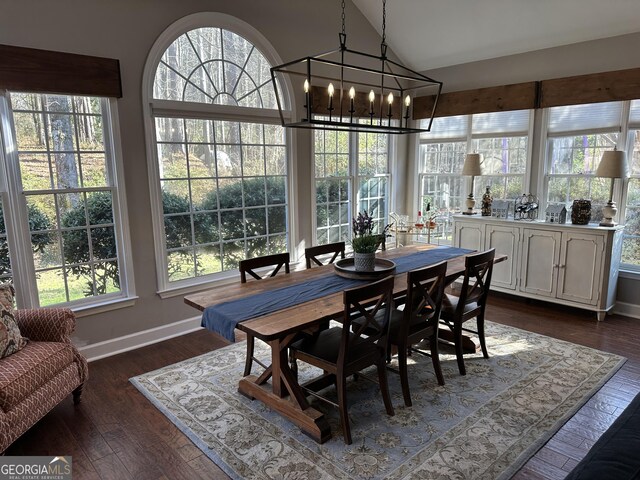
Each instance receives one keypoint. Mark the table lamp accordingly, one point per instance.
(471, 167)
(612, 165)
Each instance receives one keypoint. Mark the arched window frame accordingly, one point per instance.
(153, 107)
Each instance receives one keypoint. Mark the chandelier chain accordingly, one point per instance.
(384, 21)
(343, 17)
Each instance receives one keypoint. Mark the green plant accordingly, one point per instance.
(103, 245)
(364, 240)
(366, 243)
(38, 222)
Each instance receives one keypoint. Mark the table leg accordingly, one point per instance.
(296, 407)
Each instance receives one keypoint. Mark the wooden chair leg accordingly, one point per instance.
(341, 384)
(249, 360)
(483, 343)
(435, 358)
(404, 376)
(77, 393)
(457, 335)
(293, 363)
(384, 387)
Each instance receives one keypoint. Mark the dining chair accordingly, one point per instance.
(471, 303)
(311, 254)
(341, 352)
(248, 266)
(418, 321)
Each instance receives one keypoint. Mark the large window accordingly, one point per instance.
(351, 175)
(503, 140)
(219, 170)
(65, 227)
(577, 137)
(631, 243)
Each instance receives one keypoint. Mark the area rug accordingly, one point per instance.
(483, 425)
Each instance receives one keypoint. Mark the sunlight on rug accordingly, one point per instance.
(484, 425)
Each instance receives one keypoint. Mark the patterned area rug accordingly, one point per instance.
(484, 425)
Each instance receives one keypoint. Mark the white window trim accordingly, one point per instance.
(23, 269)
(153, 107)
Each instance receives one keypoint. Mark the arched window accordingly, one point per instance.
(214, 65)
(219, 176)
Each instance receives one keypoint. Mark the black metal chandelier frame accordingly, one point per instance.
(391, 80)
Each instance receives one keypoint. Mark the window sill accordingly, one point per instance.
(225, 278)
(632, 274)
(106, 306)
(177, 291)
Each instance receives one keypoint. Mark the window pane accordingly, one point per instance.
(631, 242)
(61, 145)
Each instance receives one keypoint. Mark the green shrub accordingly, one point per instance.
(38, 221)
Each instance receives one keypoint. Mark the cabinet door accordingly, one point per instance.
(505, 240)
(540, 257)
(469, 235)
(579, 277)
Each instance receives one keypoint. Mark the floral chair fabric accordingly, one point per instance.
(42, 374)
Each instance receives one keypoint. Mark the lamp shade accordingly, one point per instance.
(613, 165)
(472, 164)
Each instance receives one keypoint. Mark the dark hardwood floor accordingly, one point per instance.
(115, 433)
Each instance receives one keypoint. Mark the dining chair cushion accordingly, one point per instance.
(416, 324)
(326, 346)
(450, 304)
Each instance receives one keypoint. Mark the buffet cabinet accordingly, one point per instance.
(574, 265)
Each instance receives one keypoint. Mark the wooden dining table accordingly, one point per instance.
(279, 329)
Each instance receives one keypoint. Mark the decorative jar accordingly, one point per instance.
(581, 212)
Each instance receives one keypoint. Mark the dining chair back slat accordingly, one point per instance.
(311, 254)
(248, 265)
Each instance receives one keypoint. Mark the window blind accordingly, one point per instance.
(446, 127)
(592, 116)
(634, 114)
(516, 121)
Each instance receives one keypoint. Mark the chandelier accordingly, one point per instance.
(345, 89)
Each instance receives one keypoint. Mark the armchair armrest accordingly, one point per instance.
(46, 324)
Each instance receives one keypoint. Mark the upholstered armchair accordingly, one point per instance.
(38, 377)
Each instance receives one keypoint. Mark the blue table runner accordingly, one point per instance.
(224, 317)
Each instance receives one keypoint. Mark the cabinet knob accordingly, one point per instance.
(555, 265)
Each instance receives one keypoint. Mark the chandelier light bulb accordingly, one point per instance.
(372, 96)
(390, 98)
(407, 100)
(306, 86)
(352, 93)
(331, 89)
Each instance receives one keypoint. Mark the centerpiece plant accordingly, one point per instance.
(365, 242)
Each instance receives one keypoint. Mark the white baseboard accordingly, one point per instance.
(96, 351)
(627, 309)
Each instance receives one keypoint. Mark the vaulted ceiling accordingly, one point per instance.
(429, 34)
